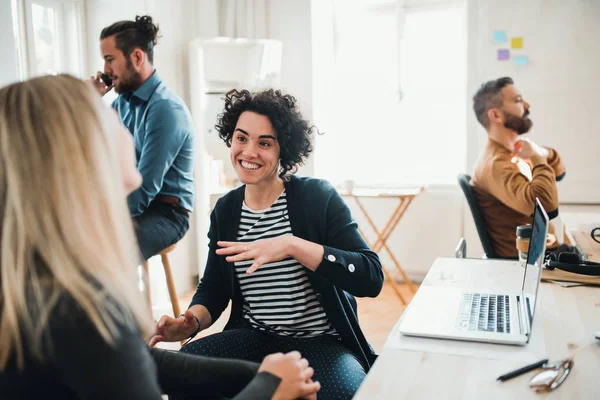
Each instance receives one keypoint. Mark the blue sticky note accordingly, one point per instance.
(500, 37)
(520, 61)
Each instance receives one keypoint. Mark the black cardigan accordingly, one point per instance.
(318, 214)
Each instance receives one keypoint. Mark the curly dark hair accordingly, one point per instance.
(294, 133)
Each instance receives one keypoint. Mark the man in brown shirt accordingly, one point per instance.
(511, 171)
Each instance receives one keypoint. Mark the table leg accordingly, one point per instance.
(381, 241)
(388, 277)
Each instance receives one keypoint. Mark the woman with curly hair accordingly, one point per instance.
(285, 250)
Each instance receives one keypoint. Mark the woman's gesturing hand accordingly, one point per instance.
(169, 329)
(261, 251)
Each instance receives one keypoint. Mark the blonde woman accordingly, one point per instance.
(72, 320)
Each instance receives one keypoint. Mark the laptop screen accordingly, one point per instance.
(535, 257)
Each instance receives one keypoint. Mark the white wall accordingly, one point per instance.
(9, 72)
(290, 22)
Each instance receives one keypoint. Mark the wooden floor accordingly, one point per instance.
(376, 316)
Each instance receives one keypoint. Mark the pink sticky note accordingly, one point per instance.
(503, 54)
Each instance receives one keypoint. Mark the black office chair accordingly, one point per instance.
(486, 241)
(461, 249)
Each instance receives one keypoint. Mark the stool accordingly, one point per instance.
(164, 257)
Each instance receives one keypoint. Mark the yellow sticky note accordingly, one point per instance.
(516, 43)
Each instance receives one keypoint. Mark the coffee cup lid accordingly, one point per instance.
(524, 231)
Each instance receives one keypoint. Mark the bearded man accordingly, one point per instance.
(511, 170)
(162, 129)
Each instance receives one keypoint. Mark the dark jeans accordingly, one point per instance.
(160, 226)
(336, 368)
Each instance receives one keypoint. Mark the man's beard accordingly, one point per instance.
(129, 81)
(520, 125)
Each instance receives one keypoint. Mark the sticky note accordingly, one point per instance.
(500, 37)
(516, 43)
(520, 60)
(503, 54)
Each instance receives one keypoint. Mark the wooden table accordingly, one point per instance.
(405, 196)
(568, 318)
(577, 229)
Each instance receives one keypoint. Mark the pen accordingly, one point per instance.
(521, 371)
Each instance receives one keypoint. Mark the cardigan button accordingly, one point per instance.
(319, 296)
(351, 268)
(331, 258)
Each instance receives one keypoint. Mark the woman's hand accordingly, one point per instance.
(295, 374)
(261, 251)
(169, 329)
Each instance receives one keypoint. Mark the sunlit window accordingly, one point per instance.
(46, 40)
(49, 36)
(398, 115)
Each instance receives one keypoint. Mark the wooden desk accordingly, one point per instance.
(578, 227)
(568, 316)
(405, 196)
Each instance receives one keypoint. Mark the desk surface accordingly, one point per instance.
(568, 316)
(578, 227)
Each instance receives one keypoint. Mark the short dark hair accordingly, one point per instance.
(129, 35)
(294, 133)
(489, 96)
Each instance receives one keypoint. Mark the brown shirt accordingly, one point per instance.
(506, 187)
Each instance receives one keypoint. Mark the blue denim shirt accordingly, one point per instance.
(163, 132)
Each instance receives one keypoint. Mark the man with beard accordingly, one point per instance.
(512, 170)
(162, 129)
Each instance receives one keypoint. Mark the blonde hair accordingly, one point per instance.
(64, 225)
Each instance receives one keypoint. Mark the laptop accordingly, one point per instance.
(506, 317)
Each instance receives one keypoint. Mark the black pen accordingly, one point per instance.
(521, 371)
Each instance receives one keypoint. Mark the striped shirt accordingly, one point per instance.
(278, 296)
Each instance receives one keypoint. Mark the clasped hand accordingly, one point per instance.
(527, 148)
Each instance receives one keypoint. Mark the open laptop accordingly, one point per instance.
(506, 317)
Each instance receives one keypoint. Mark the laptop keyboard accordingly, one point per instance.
(484, 313)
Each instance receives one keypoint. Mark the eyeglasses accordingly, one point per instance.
(596, 234)
(551, 376)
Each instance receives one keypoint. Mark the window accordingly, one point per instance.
(50, 37)
(398, 110)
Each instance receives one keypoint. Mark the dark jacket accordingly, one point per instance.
(78, 364)
(318, 214)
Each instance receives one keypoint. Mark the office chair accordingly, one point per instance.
(461, 249)
(486, 241)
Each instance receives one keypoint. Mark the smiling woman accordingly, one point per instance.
(280, 118)
(285, 250)
(254, 149)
